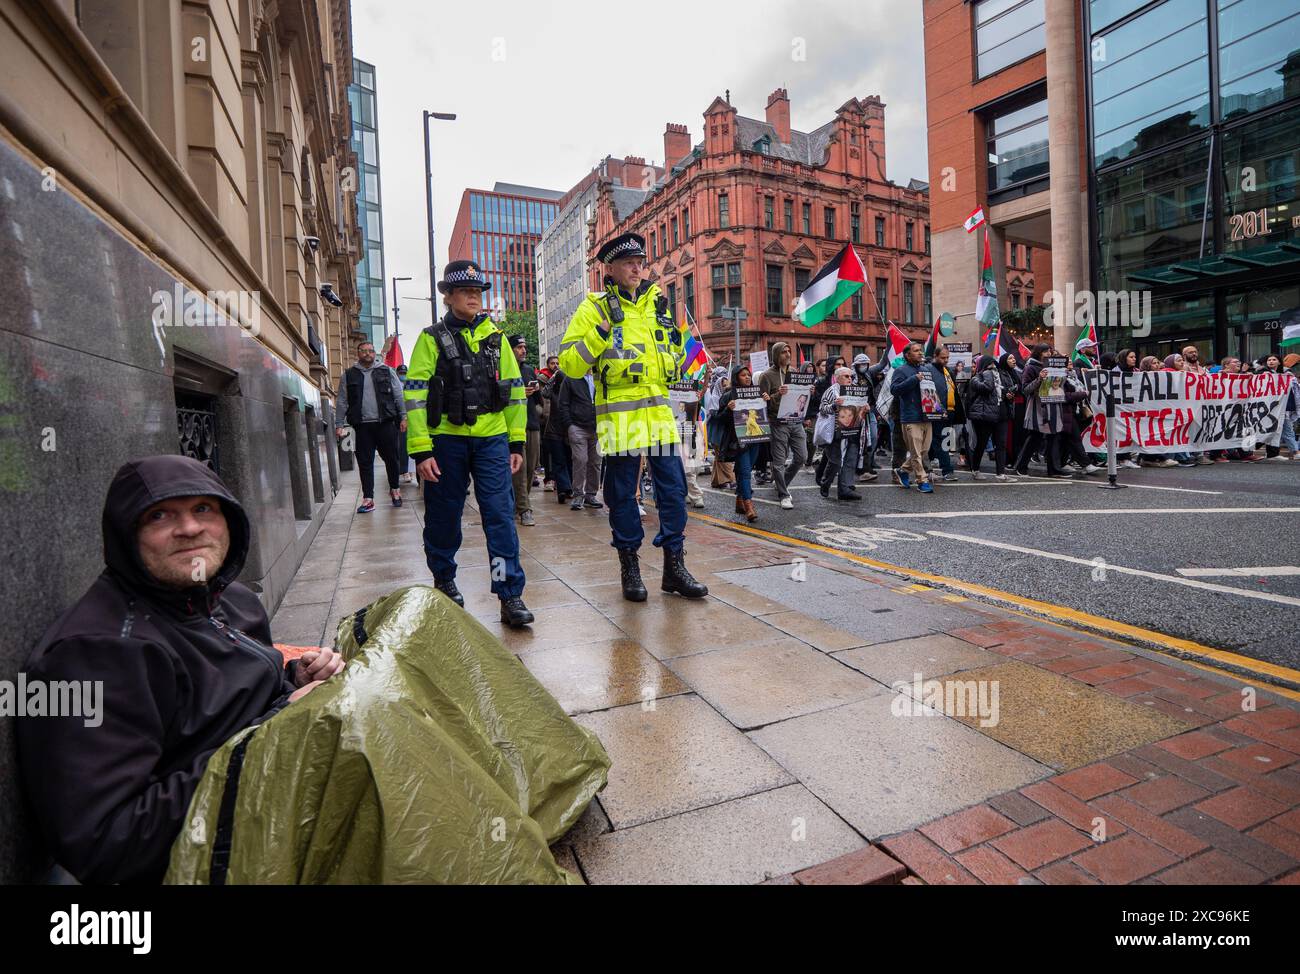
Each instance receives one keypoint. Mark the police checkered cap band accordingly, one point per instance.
(623, 248)
(470, 274)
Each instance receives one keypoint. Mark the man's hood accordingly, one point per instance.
(139, 485)
(774, 360)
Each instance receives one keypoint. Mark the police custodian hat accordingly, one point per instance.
(625, 245)
(462, 273)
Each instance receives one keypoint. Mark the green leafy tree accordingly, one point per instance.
(523, 323)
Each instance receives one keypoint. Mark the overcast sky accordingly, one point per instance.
(543, 90)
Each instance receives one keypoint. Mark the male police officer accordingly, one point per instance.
(465, 409)
(626, 337)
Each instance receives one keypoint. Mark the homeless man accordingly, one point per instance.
(185, 658)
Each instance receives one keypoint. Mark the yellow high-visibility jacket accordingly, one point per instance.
(632, 362)
(513, 420)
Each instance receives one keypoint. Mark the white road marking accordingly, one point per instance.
(1279, 570)
(1095, 564)
(1102, 510)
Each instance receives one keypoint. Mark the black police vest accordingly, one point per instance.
(465, 384)
(355, 381)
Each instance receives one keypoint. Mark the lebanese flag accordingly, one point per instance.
(974, 220)
(834, 284)
(986, 303)
(393, 353)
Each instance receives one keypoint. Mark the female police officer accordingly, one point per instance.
(465, 409)
(626, 337)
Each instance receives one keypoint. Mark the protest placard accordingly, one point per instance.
(1175, 412)
(750, 417)
(959, 353)
(853, 408)
(1051, 387)
(757, 364)
(798, 389)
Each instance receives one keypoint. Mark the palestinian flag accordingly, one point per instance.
(393, 353)
(932, 343)
(1291, 328)
(1087, 339)
(897, 342)
(986, 304)
(834, 284)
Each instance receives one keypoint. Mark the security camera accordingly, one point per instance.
(327, 292)
(313, 243)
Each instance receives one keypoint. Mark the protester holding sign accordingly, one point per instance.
(1043, 420)
(992, 394)
(785, 390)
(746, 404)
(1075, 417)
(950, 415)
(845, 408)
(912, 385)
(862, 375)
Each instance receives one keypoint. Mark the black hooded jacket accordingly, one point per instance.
(182, 671)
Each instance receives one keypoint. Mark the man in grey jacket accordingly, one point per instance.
(788, 437)
(371, 401)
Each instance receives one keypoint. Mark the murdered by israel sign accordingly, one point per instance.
(1173, 412)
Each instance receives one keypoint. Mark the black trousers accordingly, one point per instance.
(984, 431)
(1071, 448)
(371, 437)
(1035, 441)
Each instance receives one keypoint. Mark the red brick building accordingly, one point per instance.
(747, 216)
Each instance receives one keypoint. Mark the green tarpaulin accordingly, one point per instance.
(434, 757)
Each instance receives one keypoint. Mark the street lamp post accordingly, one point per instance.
(396, 331)
(428, 191)
(737, 315)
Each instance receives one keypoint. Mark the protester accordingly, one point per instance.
(742, 457)
(1075, 417)
(788, 439)
(522, 479)
(951, 417)
(1043, 420)
(370, 400)
(906, 385)
(576, 408)
(992, 395)
(555, 439)
(724, 474)
(842, 451)
(689, 431)
(184, 655)
(862, 372)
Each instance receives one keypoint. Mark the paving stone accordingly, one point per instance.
(865, 867)
(927, 860)
(681, 627)
(1257, 758)
(756, 685)
(1065, 806)
(1212, 868)
(990, 866)
(302, 625)
(1164, 794)
(1258, 855)
(1281, 839)
(1088, 782)
(1064, 874)
(1058, 721)
(746, 840)
(966, 828)
(931, 656)
(680, 756)
(1193, 745)
(1153, 827)
(1041, 843)
(586, 676)
(886, 773)
(1240, 807)
(1018, 808)
(1198, 773)
(1123, 860)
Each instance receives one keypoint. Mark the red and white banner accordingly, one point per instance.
(1176, 412)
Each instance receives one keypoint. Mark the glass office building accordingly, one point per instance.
(1194, 124)
(365, 143)
(505, 226)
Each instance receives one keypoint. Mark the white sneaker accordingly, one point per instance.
(1006, 478)
(1092, 468)
(1130, 465)
(1168, 463)
(951, 476)
(976, 475)
(787, 504)
(698, 502)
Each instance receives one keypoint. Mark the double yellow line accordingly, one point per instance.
(1267, 676)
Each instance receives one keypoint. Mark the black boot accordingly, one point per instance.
(514, 613)
(630, 576)
(678, 579)
(448, 588)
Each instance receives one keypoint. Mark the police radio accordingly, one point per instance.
(614, 305)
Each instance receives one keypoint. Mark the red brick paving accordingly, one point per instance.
(1219, 804)
(865, 867)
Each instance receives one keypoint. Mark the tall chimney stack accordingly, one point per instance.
(677, 144)
(778, 114)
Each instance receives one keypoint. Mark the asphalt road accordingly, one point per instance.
(1158, 554)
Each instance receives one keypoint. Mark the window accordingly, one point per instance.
(654, 250)
(1258, 44)
(672, 300)
(880, 231)
(807, 218)
(769, 213)
(1263, 213)
(800, 281)
(855, 225)
(688, 295)
(663, 237)
(775, 291)
(686, 223)
(909, 289)
(806, 352)
(725, 280)
(830, 222)
(910, 236)
(724, 211)
(1015, 299)
(859, 350)
(882, 297)
(1016, 140)
(1007, 31)
(788, 213)
(856, 305)
(674, 226)
(833, 352)
(1153, 86)
(927, 239)
(1029, 259)
(927, 303)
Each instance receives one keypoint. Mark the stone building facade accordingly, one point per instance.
(748, 215)
(176, 191)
